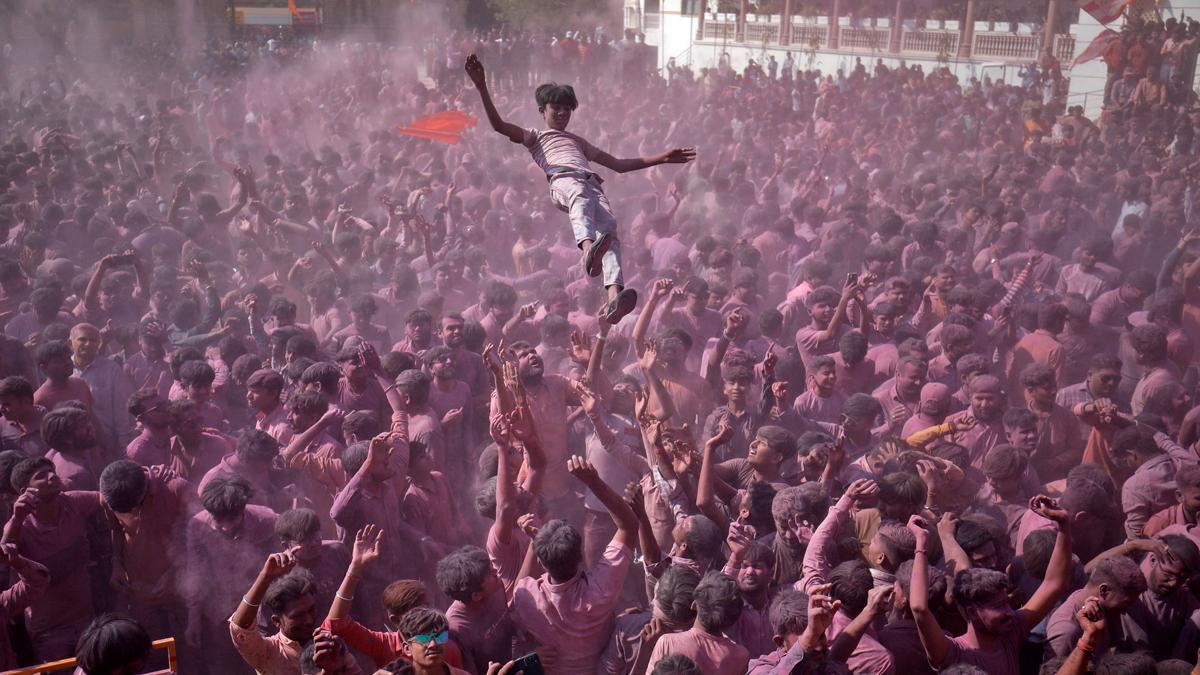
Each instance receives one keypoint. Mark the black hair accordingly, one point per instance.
(23, 472)
(323, 373)
(558, 94)
(123, 485)
(55, 349)
(257, 445)
(288, 589)
(718, 602)
(59, 425)
(354, 457)
(196, 373)
(463, 573)
(15, 385)
(111, 643)
(851, 581)
(421, 620)
(676, 664)
(703, 537)
(559, 547)
(309, 402)
(675, 593)
(226, 496)
(297, 524)
(789, 613)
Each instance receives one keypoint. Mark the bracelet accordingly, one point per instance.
(339, 596)
(1084, 645)
(601, 338)
(248, 603)
(725, 334)
(920, 550)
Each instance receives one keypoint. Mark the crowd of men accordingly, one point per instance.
(909, 388)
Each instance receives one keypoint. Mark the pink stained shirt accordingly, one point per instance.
(429, 506)
(50, 395)
(714, 654)
(192, 465)
(78, 471)
(265, 493)
(483, 633)
(60, 546)
(219, 568)
(148, 374)
(812, 406)
(147, 450)
(276, 425)
(274, 655)
(551, 147)
(31, 585)
(575, 617)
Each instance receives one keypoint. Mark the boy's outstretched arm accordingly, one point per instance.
(474, 68)
(676, 156)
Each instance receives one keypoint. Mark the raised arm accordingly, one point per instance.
(662, 288)
(474, 68)
(366, 550)
(937, 645)
(1058, 572)
(622, 515)
(709, 484)
(277, 565)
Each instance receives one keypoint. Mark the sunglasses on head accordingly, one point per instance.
(436, 638)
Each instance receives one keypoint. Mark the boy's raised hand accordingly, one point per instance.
(675, 156)
(474, 68)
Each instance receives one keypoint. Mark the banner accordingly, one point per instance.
(444, 127)
(1097, 48)
(1104, 11)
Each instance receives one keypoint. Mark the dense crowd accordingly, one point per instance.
(907, 387)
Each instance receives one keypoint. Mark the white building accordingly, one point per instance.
(681, 32)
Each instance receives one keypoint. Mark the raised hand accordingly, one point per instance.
(279, 564)
(879, 600)
(25, 504)
(649, 357)
(529, 524)
(862, 490)
(587, 398)
(1091, 617)
(368, 546)
(582, 469)
(581, 347)
(920, 529)
(963, 424)
(1050, 510)
(679, 156)
(474, 68)
(332, 418)
(662, 288)
(723, 435)
(634, 498)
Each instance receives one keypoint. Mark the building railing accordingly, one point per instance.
(935, 38)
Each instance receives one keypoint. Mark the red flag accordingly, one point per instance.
(1104, 11)
(444, 127)
(293, 9)
(1097, 48)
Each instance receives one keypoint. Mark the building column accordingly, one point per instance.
(785, 27)
(703, 9)
(1051, 27)
(741, 21)
(966, 34)
(897, 28)
(835, 15)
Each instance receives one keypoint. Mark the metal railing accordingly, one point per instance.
(872, 39)
(166, 643)
(811, 37)
(992, 45)
(930, 41)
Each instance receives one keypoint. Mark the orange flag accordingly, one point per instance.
(293, 9)
(444, 127)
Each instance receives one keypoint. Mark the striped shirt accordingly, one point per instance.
(550, 147)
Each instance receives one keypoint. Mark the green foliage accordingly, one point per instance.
(541, 13)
